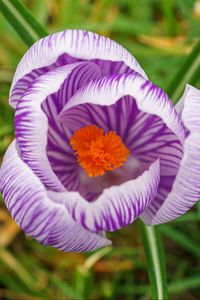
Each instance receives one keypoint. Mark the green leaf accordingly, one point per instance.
(65, 288)
(22, 21)
(189, 217)
(155, 261)
(21, 8)
(184, 284)
(188, 73)
(12, 263)
(181, 239)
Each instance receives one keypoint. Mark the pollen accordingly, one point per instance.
(97, 152)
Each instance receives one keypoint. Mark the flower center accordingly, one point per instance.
(98, 152)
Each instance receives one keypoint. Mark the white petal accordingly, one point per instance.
(47, 220)
(117, 206)
(186, 188)
(31, 122)
(68, 47)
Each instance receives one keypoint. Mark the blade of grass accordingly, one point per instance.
(8, 259)
(155, 261)
(181, 239)
(17, 22)
(167, 6)
(189, 217)
(21, 8)
(65, 288)
(22, 21)
(176, 287)
(188, 73)
(84, 272)
(94, 258)
(184, 284)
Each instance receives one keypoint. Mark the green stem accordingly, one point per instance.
(155, 261)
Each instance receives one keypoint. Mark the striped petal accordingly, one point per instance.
(117, 206)
(37, 214)
(140, 113)
(108, 90)
(68, 47)
(39, 136)
(186, 187)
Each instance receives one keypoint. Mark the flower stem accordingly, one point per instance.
(155, 261)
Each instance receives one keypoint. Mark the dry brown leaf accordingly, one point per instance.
(8, 294)
(11, 229)
(113, 266)
(8, 230)
(197, 9)
(170, 44)
(62, 260)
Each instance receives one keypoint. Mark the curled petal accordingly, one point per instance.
(48, 221)
(186, 187)
(117, 206)
(140, 112)
(31, 121)
(149, 98)
(68, 47)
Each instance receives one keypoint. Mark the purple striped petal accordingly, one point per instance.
(117, 206)
(108, 90)
(68, 47)
(36, 126)
(186, 187)
(146, 120)
(37, 214)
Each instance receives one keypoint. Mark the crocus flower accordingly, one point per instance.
(97, 144)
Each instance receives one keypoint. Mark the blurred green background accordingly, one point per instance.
(159, 34)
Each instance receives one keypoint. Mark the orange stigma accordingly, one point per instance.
(98, 152)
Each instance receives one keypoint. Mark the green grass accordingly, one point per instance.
(159, 34)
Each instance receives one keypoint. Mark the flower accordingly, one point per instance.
(97, 144)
